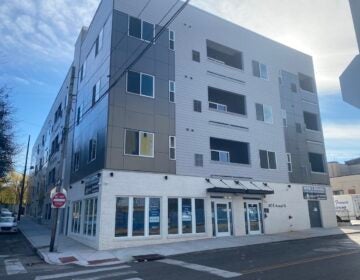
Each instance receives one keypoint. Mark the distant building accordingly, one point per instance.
(345, 177)
(349, 80)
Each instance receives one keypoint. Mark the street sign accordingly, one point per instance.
(58, 200)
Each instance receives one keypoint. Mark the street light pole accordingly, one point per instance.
(23, 182)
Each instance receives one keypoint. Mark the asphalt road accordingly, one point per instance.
(330, 258)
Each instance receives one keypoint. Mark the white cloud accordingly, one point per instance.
(321, 28)
(342, 131)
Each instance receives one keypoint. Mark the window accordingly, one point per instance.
(306, 83)
(196, 56)
(82, 71)
(51, 176)
(171, 40)
(55, 146)
(351, 191)
(141, 29)
(122, 216)
(139, 143)
(267, 159)
(225, 101)
(186, 215)
(89, 227)
(229, 151)
(200, 215)
(284, 117)
(173, 216)
(171, 91)
(289, 162)
(172, 147)
(99, 42)
(96, 93)
(339, 192)
(76, 217)
(298, 128)
(78, 115)
(311, 121)
(224, 55)
(197, 106)
(317, 162)
(140, 83)
(76, 161)
(264, 113)
(92, 150)
(58, 114)
(260, 70)
(199, 160)
(137, 216)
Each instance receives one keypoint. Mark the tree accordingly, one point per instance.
(10, 192)
(7, 138)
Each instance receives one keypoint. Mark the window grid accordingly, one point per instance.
(172, 89)
(172, 147)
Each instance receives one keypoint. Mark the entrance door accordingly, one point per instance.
(253, 217)
(314, 213)
(222, 219)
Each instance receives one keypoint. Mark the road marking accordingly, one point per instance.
(82, 272)
(202, 268)
(108, 275)
(283, 265)
(14, 266)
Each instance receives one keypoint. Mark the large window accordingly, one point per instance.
(225, 101)
(142, 213)
(229, 151)
(90, 214)
(172, 147)
(186, 215)
(140, 83)
(289, 162)
(260, 70)
(139, 143)
(306, 83)
(82, 71)
(264, 113)
(92, 150)
(173, 216)
(199, 215)
(76, 217)
(96, 93)
(224, 55)
(171, 91)
(317, 162)
(171, 40)
(99, 42)
(311, 121)
(267, 159)
(141, 29)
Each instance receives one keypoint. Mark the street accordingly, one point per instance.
(330, 258)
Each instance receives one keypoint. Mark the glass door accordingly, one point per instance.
(253, 217)
(222, 219)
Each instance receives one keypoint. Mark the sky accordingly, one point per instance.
(38, 38)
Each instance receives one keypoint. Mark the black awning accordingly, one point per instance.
(240, 191)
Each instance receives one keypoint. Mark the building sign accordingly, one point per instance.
(92, 185)
(276, 205)
(314, 192)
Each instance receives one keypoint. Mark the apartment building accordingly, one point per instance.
(345, 177)
(208, 130)
(350, 84)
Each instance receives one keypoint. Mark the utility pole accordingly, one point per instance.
(60, 184)
(23, 182)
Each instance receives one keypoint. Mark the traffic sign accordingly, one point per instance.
(58, 200)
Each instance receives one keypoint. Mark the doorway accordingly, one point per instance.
(315, 213)
(222, 218)
(253, 217)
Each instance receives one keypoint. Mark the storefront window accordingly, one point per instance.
(173, 216)
(89, 227)
(122, 216)
(200, 215)
(138, 217)
(186, 215)
(76, 217)
(154, 216)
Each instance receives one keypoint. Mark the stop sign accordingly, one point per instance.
(58, 200)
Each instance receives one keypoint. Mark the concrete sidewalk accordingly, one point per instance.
(71, 251)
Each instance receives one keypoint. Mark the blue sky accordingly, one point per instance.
(38, 37)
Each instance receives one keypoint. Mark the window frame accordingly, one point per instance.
(172, 40)
(91, 153)
(140, 93)
(263, 113)
(218, 105)
(172, 92)
(142, 29)
(268, 160)
(76, 161)
(323, 164)
(220, 152)
(260, 68)
(172, 147)
(139, 144)
(90, 216)
(289, 162)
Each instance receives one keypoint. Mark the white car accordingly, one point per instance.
(8, 224)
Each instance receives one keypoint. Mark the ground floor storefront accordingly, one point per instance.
(117, 209)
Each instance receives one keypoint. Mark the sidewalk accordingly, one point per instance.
(71, 251)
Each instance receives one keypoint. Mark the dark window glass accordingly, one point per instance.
(316, 162)
(200, 215)
(132, 142)
(239, 151)
(199, 161)
(256, 68)
(133, 82)
(148, 31)
(224, 54)
(138, 217)
(234, 103)
(122, 216)
(311, 121)
(263, 159)
(173, 216)
(154, 216)
(259, 112)
(272, 160)
(147, 85)
(197, 106)
(186, 215)
(196, 56)
(97, 46)
(135, 27)
(306, 83)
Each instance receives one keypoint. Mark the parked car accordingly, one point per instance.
(6, 213)
(8, 224)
